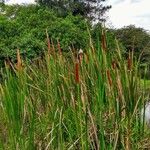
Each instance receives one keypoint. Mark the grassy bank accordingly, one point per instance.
(69, 103)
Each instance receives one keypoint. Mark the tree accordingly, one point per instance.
(2, 1)
(134, 38)
(91, 9)
(24, 28)
(138, 40)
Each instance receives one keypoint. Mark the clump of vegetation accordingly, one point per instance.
(24, 28)
(89, 102)
(52, 97)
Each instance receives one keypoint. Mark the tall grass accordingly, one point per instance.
(61, 103)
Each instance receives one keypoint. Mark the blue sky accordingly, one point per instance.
(123, 12)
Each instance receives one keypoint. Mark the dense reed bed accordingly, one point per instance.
(89, 101)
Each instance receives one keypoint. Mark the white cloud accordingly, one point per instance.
(126, 12)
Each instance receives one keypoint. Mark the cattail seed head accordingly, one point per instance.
(103, 38)
(129, 63)
(19, 61)
(77, 72)
(109, 77)
(114, 65)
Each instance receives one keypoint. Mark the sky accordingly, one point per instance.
(122, 13)
(126, 12)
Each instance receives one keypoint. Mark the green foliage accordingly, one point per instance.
(70, 31)
(2, 2)
(91, 9)
(138, 40)
(134, 38)
(24, 28)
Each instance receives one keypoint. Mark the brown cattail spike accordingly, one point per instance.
(103, 41)
(77, 72)
(129, 61)
(113, 64)
(109, 77)
(19, 61)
